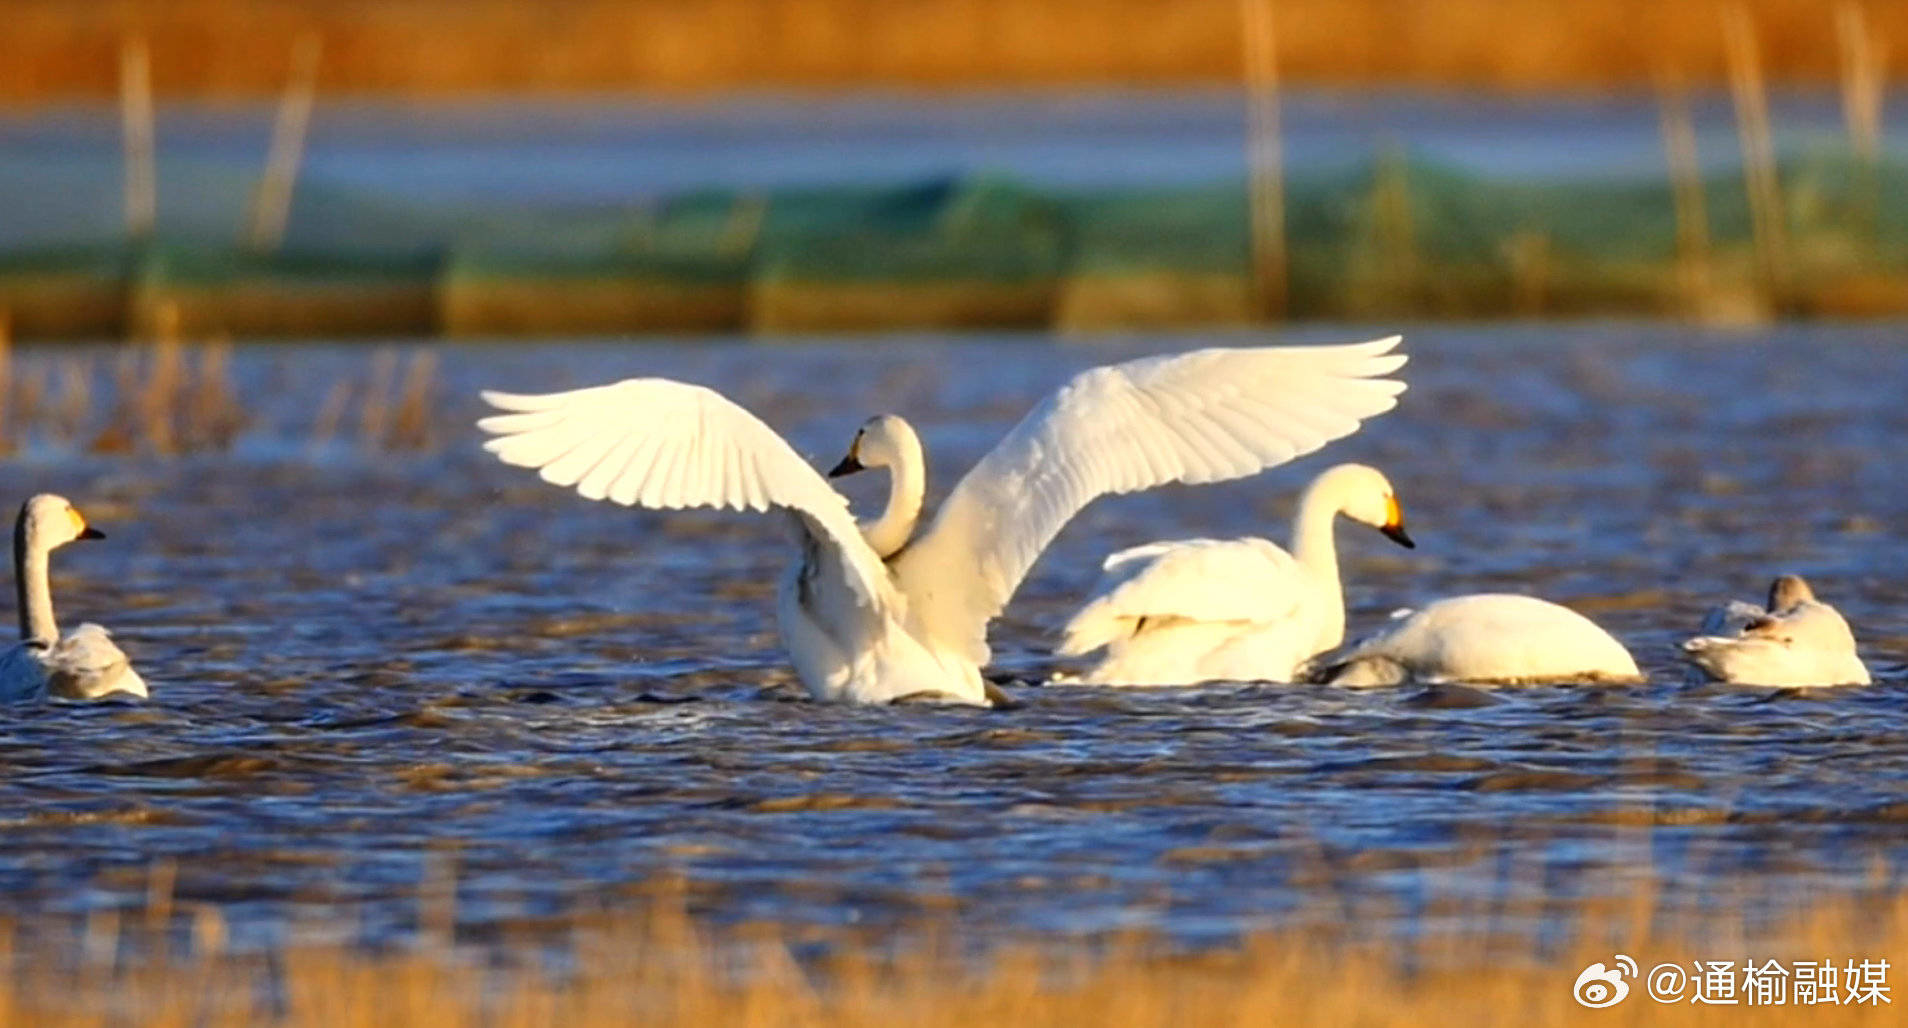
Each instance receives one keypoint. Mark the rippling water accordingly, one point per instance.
(369, 666)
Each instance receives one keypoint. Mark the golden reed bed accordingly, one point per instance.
(61, 48)
(657, 966)
(165, 396)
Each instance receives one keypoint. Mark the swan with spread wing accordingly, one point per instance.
(876, 611)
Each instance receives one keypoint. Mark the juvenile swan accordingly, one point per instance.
(874, 612)
(85, 664)
(1487, 637)
(1174, 613)
(1798, 640)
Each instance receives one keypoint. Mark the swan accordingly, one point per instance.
(84, 665)
(1797, 641)
(1486, 637)
(1196, 610)
(874, 611)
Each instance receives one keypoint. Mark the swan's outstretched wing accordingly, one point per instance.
(652, 442)
(1243, 581)
(1204, 416)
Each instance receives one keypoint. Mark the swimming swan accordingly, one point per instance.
(1487, 637)
(1174, 613)
(85, 664)
(873, 612)
(1798, 640)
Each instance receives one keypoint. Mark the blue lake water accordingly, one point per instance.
(369, 666)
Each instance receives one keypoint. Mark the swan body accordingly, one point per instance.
(1796, 641)
(1487, 637)
(1176, 613)
(85, 664)
(881, 610)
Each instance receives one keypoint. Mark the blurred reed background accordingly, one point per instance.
(56, 49)
(1820, 230)
(165, 396)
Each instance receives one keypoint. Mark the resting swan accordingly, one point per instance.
(1797, 641)
(875, 612)
(1487, 637)
(1175, 613)
(84, 665)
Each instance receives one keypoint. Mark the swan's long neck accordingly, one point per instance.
(907, 485)
(34, 595)
(1313, 545)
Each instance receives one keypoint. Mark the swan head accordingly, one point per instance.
(1787, 591)
(48, 521)
(883, 441)
(1363, 494)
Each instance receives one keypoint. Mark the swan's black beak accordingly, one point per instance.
(1393, 528)
(89, 532)
(848, 466)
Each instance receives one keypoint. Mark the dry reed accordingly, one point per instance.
(167, 396)
(744, 225)
(148, 388)
(1686, 192)
(271, 205)
(138, 137)
(74, 405)
(1768, 219)
(411, 420)
(1864, 79)
(1863, 84)
(1528, 254)
(215, 416)
(395, 413)
(1389, 249)
(1265, 159)
(331, 414)
(374, 411)
(657, 965)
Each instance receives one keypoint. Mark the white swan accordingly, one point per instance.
(85, 664)
(1175, 613)
(1487, 637)
(872, 613)
(1797, 641)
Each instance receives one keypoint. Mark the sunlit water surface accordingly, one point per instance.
(372, 669)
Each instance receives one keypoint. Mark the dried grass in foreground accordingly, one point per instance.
(658, 966)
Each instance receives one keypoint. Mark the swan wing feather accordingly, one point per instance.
(1204, 416)
(1732, 618)
(1248, 581)
(86, 664)
(658, 443)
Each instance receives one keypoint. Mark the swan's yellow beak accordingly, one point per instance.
(1394, 528)
(82, 530)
